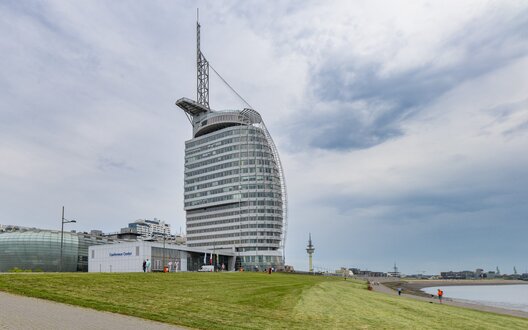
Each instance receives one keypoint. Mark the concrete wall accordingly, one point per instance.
(121, 257)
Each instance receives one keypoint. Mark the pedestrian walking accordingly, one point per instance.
(399, 291)
(144, 266)
(148, 266)
(170, 266)
(440, 295)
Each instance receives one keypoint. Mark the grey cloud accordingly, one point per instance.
(521, 128)
(107, 164)
(349, 130)
(505, 111)
(414, 205)
(406, 93)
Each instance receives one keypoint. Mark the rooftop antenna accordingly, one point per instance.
(202, 66)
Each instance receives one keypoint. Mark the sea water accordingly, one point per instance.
(513, 296)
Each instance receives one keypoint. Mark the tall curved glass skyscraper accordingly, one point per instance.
(235, 193)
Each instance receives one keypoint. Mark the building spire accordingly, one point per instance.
(202, 70)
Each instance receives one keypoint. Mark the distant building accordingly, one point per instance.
(363, 273)
(124, 234)
(463, 275)
(395, 272)
(178, 239)
(96, 232)
(10, 228)
(150, 228)
(378, 274)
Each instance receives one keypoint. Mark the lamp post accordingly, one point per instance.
(64, 220)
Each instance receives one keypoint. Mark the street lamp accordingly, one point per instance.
(64, 220)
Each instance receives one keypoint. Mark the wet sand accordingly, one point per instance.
(412, 289)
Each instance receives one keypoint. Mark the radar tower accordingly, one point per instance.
(310, 249)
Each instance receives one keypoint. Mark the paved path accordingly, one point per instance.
(18, 312)
(382, 288)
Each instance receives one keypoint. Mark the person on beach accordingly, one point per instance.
(440, 295)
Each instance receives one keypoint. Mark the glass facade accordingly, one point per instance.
(162, 257)
(41, 250)
(234, 188)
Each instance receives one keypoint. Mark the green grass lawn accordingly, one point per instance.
(250, 300)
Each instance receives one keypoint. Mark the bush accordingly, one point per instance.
(18, 270)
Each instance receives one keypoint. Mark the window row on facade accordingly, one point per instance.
(198, 222)
(242, 161)
(214, 148)
(234, 188)
(268, 234)
(212, 137)
(261, 169)
(275, 214)
(236, 179)
(244, 151)
(237, 227)
(267, 194)
(227, 147)
(237, 242)
(259, 259)
(223, 174)
(241, 205)
(225, 133)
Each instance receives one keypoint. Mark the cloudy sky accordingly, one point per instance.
(402, 126)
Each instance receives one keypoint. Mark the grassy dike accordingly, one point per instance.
(250, 301)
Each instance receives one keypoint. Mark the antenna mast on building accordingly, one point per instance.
(202, 66)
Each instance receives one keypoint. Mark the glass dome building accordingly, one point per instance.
(40, 250)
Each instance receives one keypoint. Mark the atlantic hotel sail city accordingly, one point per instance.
(235, 193)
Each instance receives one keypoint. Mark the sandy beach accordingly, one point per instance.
(412, 289)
